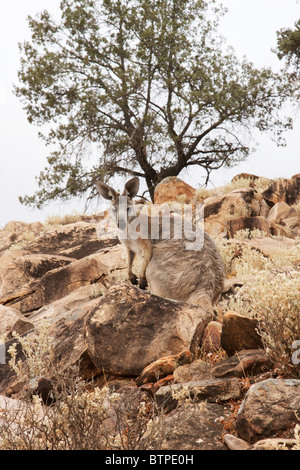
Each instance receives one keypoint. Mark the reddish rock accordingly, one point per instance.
(211, 341)
(239, 332)
(248, 362)
(163, 367)
(249, 223)
(170, 188)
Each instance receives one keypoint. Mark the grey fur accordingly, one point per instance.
(195, 277)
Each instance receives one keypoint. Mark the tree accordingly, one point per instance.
(288, 48)
(144, 86)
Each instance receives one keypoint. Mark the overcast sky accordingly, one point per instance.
(250, 27)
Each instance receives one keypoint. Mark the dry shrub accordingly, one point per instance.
(78, 415)
(270, 293)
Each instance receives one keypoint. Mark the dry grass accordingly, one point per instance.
(81, 416)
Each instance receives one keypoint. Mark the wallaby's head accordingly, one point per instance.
(121, 204)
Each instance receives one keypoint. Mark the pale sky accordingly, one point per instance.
(249, 26)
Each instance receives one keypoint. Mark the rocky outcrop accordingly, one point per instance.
(283, 190)
(210, 369)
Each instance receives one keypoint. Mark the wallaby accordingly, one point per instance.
(123, 214)
(194, 276)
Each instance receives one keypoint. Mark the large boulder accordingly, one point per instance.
(196, 427)
(218, 210)
(283, 190)
(233, 204)
(18, 268)
(59, 282)
(75, 240)
(128, 329)
(169, 189)
(269, 408)
(285, 219)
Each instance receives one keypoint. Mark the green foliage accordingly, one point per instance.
(145, 87)
(288, 47)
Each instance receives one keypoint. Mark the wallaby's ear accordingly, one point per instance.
(131, 187)
(106, 191)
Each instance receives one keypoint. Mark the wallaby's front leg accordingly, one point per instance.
(147, 254)
(132, 277)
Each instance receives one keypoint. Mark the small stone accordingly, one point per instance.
(235, 443)
(211, 341)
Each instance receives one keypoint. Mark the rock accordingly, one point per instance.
(170, 188)
(269, 408)
(211, 341)
(6, 240)
(274, 444)
(283, 190)
(163, 367)
(263, 208)
(213, 390)
(18, 226)
(197, 370)
(12, 320)
(198, 427)
(244, 176)
(18, 269)
(58, 309)
(76, 240)
(270, 247)
(239, 332)
(248, 362)
(249, 223)
(235, 443)
(69, 341)
(284, 220)
(231, 204)
(59, 282)
(69, 349)
(281, 211)
(129, 329)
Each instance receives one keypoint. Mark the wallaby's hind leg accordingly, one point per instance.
(132, 277)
